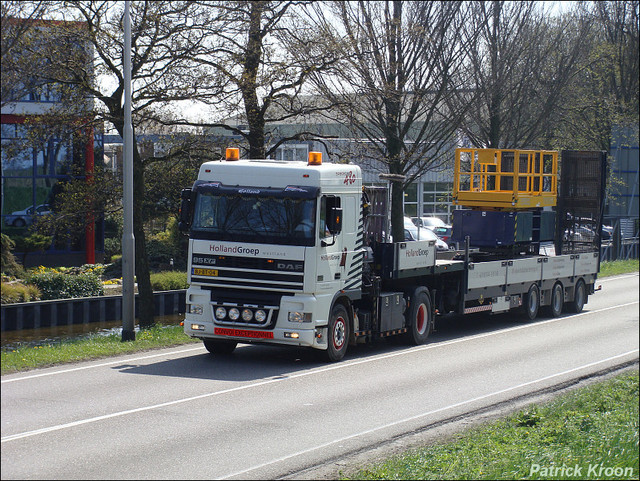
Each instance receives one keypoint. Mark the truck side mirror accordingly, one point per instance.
(334, 220)
(185, 210)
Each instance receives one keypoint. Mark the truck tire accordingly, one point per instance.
(220, 347)
(419, 320)
(557, 301)
(531, 303)
(579, 297)
(338, 333)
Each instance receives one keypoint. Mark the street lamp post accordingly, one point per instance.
(128, 240)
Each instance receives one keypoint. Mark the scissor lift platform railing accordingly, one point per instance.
(505, 179)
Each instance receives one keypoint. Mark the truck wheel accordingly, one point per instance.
(532, 302)
(338, 332)
(420, 317)
(557, 301)
(217, 346)
(579, 297)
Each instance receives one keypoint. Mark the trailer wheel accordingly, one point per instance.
(557, 301)
(221, 347)
(579, 297)
(338, 332)
(420, 317)
(532, 302)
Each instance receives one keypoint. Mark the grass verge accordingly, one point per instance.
(614, 268)
(589, 433)
(98, 346)
(93, 347)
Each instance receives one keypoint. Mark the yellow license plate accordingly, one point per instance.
(205, 272)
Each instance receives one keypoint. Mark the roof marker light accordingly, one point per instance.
(233, 154)
(315, 158)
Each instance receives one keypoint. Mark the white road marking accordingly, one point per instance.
(110, 363)
(343, 365)
(418, 416)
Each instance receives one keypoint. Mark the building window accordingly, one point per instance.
(436, 200)
(411, 200)
(292, 152)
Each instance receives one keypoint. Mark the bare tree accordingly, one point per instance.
(399, 66)
(604, 95)
(519, 66)
(252, 78)
(166, 36)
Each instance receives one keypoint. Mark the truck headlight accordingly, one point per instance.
(299, 316)
(196, 309)
(261, 315)
(247, 315)
(234, 313)
(221, 312)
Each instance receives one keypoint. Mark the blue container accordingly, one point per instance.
(492, 228)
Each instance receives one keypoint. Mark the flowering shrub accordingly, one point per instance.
(48, 283)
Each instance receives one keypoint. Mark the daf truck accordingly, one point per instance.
(299, 254)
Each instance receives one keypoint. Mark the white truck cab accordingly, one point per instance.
(272, 246)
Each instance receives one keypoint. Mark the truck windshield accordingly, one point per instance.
(254, 218)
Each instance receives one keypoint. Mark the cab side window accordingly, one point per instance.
(328, 204)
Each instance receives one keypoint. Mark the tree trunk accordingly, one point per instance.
(397, 203)
(255, 118)
(145, 291)
(397, 211)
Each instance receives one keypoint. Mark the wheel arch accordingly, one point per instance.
(346, 300)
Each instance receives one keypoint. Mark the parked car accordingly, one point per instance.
(413, 232)
(580, 234)
(428, 222)
(585, 228)
(444, 232)
(606, 233)
(21, 218)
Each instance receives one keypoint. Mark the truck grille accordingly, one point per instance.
(246, 272)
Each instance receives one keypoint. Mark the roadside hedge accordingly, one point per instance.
(169, 280)
(56, 285)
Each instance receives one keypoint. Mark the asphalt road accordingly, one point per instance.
(269, 412)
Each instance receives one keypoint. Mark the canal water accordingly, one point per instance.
(51, 335)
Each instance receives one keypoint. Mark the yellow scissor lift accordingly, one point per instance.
(506, 191)
(493, 179)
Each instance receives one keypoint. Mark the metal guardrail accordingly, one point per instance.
(82, 310)
(623, 245)
(625, 249)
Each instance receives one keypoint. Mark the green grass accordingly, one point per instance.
(26, 358)
(594, 428)
(614, 268)
(94, 347)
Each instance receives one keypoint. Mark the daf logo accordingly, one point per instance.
(288, 266)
